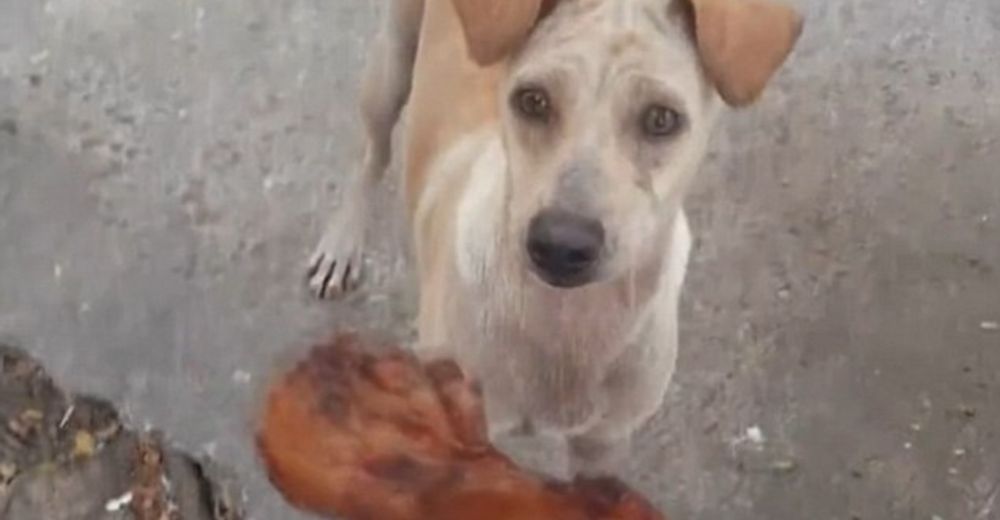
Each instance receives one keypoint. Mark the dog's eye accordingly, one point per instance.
(533, 103)
(660, 121)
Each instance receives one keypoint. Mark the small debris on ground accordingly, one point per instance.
(784, 466)
(84, 444)
(755, 435)
(119, 503)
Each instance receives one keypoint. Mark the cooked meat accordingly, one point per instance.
(363, 437)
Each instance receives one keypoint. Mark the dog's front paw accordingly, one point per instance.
(335, 267)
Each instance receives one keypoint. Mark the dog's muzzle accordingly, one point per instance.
(565, 248)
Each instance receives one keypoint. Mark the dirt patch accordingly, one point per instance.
(67, 457)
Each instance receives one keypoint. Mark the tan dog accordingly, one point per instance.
(548, 150)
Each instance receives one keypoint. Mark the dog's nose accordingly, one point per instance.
(565, 248)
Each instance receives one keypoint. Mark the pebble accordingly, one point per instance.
(784, 466)
(755, 435)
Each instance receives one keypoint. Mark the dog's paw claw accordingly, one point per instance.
(334, 271)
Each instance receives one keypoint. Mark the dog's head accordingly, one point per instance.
(606, 110)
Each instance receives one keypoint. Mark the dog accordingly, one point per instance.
(548, 148)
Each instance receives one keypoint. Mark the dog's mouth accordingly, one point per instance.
(564, 269)
(564, 281)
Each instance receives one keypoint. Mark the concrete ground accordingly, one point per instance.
(165, 168)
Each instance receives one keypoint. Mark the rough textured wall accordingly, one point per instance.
(165, 168)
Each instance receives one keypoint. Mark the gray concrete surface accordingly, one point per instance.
(165, 167)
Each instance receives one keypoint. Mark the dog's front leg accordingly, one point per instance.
(335, 266)
(632, 391)
(635, 386)
(598, 453)
(604, 448)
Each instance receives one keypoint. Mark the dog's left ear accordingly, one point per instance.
(742, 43)
(495, 28)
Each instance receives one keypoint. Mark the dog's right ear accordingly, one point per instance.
(495, 28)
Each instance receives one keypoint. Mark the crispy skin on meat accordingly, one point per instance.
(361, 437)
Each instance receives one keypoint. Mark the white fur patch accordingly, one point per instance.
(479, 211)
(477, 160)
(680, 249)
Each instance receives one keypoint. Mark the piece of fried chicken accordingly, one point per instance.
(350, 435)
